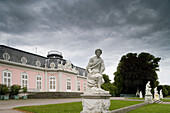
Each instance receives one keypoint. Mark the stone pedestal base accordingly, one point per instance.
(148, 98)
(98, 103)
(156, 97)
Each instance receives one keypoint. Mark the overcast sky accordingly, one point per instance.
(78, 27)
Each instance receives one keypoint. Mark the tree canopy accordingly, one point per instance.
(107, 85)
(134, 71)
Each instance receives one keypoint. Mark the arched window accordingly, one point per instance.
(7, 78)
(52, 83)
(24, 80)
(78, 86)
(39, 82)
(68, 84)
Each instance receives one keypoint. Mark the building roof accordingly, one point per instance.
(20, 56)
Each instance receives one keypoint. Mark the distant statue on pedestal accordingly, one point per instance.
(148, 94)
(161, 95)
(140, 95)
(95, 99)
(156, 95)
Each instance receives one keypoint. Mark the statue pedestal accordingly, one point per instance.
(96, 103)
(148, 98)
(156, 97)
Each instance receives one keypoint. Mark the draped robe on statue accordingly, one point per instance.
(95, 68)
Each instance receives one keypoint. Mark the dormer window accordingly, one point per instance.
(23, 60)
(6, 56)
(38, 63)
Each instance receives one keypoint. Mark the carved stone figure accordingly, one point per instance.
(95, 99)
(156, 95)
(140, 95)
(148, 88)
(156, 91)
(161, 95)
(95, 69)
(68, 64)
(148, 94)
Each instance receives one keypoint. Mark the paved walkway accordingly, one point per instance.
(6, 106)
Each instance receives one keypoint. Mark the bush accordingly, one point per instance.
(24, 89)
(109, 87)
(3, 89)
(164, 91)
(14, 89)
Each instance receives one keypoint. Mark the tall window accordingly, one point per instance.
(52, 83)
(68, 84)
(84, 85)
(39, 82)
(24, 80)
(7, 78)
(78, 85)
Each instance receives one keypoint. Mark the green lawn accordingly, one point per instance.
(165, 100)
(74, 107)
(153, 108)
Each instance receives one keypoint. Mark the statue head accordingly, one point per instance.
(98, 52)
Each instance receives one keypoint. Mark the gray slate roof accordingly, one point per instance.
(16, 55)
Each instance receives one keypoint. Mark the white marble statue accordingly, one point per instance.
(95, 69)
(156, 95)
(155, 91)
(140, 95)
(95, 99)
(148, 88)
(148, 94)
(161, 95)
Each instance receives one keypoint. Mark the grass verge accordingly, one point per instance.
(165, 100)
(153, 108)
(74, 107)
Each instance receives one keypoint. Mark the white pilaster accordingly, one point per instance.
(59, 81)
(76, 83)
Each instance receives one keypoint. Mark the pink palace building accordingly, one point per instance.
(38, 73)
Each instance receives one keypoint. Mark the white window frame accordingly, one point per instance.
(52, 83)
(8, 72)
(78, 86)
(25, 80)
(68, 81)
(84, 86)
(38, 81)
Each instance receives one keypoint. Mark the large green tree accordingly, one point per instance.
(134, 71)
(107, 85)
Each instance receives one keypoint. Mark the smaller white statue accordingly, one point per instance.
(148, 89)
(161, 95)
(137, 93)
(155, 91)
(68, 64)
(60, 66)
(140, 95)
(156, 95)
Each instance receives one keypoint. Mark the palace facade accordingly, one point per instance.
(38, 73)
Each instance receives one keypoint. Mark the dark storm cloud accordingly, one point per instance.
(18, 16)
(78, 27)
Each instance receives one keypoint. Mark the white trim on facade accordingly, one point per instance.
(7, 77)
(52, 87)
(68, 84)
(39, 87)
(78, 86)
(26, 78)
(84, 86)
